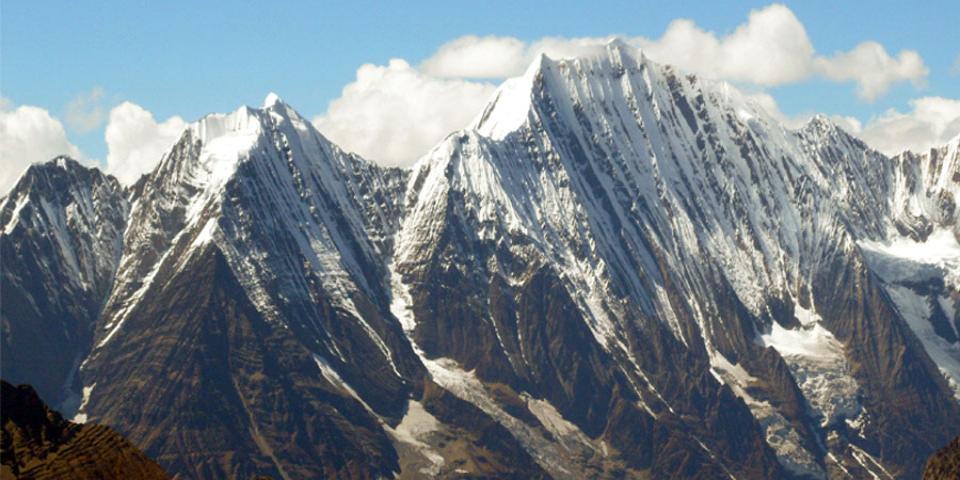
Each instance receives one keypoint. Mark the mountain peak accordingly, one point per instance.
(511, 102)
(819, 121)
(617, 43)
(271, 100)
(54, 174)
(59, 163)
(621, 47)
(64, 162)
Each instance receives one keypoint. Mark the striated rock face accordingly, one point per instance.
(617, 271)
(62, 232)
(38, 443)
(690, 235)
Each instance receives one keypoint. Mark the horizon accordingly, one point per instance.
(888, 84)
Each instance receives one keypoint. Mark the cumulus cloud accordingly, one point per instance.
(135, 141)
(478, 57)
(771, 48)
(85, 112)
(933, 121)
(28, 135)
(873, 69)
(393, 114)
(501, 57)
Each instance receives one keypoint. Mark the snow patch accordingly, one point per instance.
(81, 416)
(417, 424)
(810, 341)
(816, 360)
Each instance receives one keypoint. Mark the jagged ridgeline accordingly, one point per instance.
(618, 270)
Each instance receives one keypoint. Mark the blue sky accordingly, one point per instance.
(190, 58)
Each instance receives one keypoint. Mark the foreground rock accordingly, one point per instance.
(37, 443)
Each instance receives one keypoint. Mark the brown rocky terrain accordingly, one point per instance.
(945, 464)
(37, 443)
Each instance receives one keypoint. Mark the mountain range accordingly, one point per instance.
(617, 270)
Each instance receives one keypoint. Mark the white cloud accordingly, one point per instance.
(478, 57)
(873, 69)
(501, 57)
(933, 121)
(85, 112)
(393, 114)
(135, 141)
(771, 48)
(28, 135)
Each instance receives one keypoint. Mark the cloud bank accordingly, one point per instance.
(29, 135)
(392, 114)
(932, 121)
(136, 142)
(771, 48)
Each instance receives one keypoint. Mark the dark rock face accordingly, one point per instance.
(276, 414)
(38, 443)
(912, 407)
(945, 464)
(63, 225)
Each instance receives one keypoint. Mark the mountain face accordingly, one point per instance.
(618, 270)
(38, 443)
(61, 238)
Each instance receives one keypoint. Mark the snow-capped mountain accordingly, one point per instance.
(618, 270)
(661, 198)
(61, 234)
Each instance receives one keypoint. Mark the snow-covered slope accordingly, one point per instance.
(263, 186)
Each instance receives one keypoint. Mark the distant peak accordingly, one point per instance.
(819, 122)
(64, 162)
(60, 163)
(617, 43)
(271, 100)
